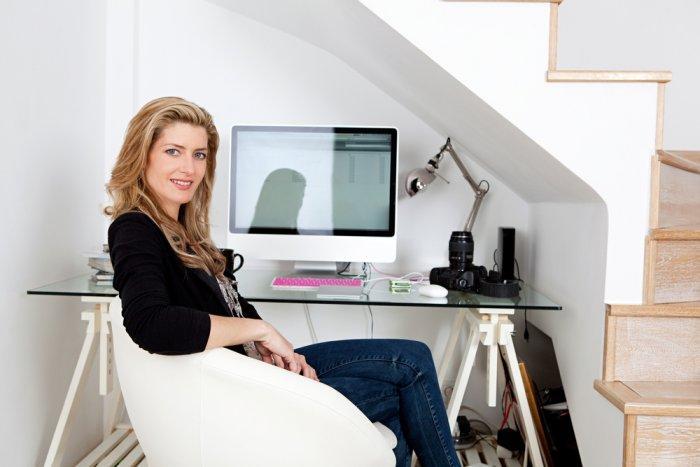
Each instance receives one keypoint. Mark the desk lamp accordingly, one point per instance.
(419, 179)
(462, 274)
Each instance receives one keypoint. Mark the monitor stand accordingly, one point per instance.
(315, 268)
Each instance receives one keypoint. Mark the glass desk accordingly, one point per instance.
(254, 285)
(487, 320)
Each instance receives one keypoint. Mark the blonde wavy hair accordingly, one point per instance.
(189, 235)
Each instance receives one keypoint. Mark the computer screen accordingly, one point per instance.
(313, 180)
(313, 193)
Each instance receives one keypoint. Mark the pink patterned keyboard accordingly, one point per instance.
(313, 283)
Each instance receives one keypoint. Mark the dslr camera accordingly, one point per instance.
(462, 274)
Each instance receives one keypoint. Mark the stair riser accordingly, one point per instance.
(661, 441)
(672, 271)
(652, 349)
(678, 197)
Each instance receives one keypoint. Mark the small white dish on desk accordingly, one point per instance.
(433, 291)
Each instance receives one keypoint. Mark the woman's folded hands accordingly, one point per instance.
(277, 350)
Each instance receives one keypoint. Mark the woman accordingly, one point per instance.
(179, 298)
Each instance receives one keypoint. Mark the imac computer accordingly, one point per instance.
(314, 195)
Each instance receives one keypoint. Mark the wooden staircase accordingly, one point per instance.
(651, 368)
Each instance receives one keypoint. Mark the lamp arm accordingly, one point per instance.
(462, 168)
(479, 192)
(475, 209)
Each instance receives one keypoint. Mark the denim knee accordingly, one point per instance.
(417, 352)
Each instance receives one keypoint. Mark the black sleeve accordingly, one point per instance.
(136, 249)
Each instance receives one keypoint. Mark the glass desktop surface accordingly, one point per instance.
(254, 285)
(75, 286)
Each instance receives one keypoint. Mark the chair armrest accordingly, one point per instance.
(252, 411)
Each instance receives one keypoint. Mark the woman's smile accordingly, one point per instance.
(181, 184)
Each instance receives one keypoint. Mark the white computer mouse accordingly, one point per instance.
(433, 290)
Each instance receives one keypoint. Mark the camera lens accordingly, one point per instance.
(461, 249)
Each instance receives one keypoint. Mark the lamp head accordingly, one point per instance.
(418, 180)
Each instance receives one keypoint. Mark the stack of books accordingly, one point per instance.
(101, 265)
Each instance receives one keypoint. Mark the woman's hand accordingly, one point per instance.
(306, 369)
(299, 365)
(274, 348)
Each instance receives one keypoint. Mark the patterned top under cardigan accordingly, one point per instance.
(235, 307)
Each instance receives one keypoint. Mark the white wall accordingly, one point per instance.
(242, 71)
(602, 132)
(258, 56)
(51, 94)
(640, 35)
(56, 126)
(567, 263)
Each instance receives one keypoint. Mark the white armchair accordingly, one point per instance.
(220, 408)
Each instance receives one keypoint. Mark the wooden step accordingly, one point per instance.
(662, 421)
(652, 343)
(685, 160)
(675, 189)
(672, 266)
(680, 310)
(660, 398)
(602, 76)
(688, 232)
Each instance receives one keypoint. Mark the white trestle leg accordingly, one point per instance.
(462, 379)
(521, 398)
(455, 331)
(80, 374)
(492, 328)
(492, 362)
(98, 335)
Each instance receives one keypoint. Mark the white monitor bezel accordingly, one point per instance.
(271, 246)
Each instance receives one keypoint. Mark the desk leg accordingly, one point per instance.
(465, 370)
(455, 331)
(530, 433)
(112, 412)
(106, 366)
(87, 354)
(113, 403)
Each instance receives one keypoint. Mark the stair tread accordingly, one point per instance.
(608, 76)
(686, 232)
(686, 160)
(666, 389)
(662, 310)
(660, 398)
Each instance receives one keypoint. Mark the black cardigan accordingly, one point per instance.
(165, 304)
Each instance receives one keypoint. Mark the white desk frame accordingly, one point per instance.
(97, 331)
(491, 327)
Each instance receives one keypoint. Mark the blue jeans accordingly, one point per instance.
(394, 382)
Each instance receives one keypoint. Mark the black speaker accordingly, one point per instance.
(505, 257)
